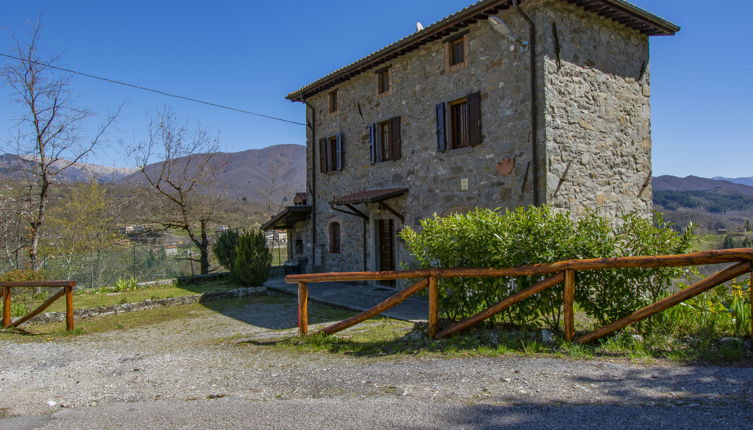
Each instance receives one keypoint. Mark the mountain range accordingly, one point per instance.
(272, 175)
(744, 181)
(13, 166)
(266, 176)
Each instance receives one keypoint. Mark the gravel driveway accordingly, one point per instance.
(179, 374)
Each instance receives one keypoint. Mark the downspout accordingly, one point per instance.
(534, 101)
(312, 126)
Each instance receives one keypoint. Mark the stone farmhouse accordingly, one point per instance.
(502, 104)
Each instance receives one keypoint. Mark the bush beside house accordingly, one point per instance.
(531, 235)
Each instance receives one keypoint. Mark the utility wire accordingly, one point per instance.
(126, 84)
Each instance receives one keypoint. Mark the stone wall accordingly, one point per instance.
(419, 81)
(598, 126)
(593, 117)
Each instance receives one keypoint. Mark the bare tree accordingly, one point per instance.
(50, 138)
(179, 164)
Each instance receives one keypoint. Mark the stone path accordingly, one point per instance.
(209, 371)
(358, 297)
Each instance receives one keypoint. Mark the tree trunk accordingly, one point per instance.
(204, 248)
(36, 226)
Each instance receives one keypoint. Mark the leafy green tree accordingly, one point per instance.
(252, 258)
(80, 228)
(224, 248)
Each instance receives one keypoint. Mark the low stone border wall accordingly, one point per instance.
(153, 304)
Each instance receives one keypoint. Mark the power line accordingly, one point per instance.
(126, 84)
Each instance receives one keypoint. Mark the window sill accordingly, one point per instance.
(458, 151)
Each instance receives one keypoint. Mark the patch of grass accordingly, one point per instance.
(85, 299)
(385, 337)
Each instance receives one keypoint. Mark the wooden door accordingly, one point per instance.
(386, 246)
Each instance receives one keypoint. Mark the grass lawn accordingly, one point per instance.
(84, 299)
(386, 337)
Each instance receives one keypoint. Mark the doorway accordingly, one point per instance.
(386, 247)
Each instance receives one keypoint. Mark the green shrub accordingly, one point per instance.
(252, 259)
(22, 275)
(224, 248)
(608, 295)
(532, 235)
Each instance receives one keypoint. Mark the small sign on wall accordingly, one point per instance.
(464, 184)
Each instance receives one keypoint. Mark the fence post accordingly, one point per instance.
(69, 307)
(433, 307)
(6, 307)
(568, 299)
(750, 291)
(303, 309)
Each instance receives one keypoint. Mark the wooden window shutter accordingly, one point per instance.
(372, 143)
(441, 129)
(395, 141)
(339, 151)
(323, 155)
(474, 119)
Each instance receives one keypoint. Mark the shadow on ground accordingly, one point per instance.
(271, 310)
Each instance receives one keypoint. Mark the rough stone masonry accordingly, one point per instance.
(593, 142)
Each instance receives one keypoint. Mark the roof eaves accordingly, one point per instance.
(618, 10)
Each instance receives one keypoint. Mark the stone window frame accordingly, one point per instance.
(334, 234)
(449, 42)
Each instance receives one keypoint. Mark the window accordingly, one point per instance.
(459, 123)
(457, 51)
(385, 141)
(331, 153)
(333, 101)
(383, 81)
(334, 238)
(458, 132)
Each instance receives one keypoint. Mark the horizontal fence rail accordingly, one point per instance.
(66, 289)
(562, 272)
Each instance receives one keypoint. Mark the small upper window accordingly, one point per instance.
(457, 51)
(334, 238)
(383, 81)
(333, 101)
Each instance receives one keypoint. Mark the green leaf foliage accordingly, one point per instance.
(532, 235)
(252, 258)
(224, 248)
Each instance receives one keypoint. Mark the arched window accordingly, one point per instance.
(334, 238)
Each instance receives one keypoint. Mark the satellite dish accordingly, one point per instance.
(419, 26)
(499, 26)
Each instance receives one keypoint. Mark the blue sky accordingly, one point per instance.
(250, 54)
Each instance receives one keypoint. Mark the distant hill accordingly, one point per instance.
(744, 181)
(265, 176)
(695, 183)
(12, 167)
(711, 204)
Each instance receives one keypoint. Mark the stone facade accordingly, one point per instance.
(593, 142)
(598, 125)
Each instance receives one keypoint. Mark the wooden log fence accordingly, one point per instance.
(562, 272)
(66, 289)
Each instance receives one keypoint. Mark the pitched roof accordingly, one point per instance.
(369, 196)
(289, 216)
(617, 10)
